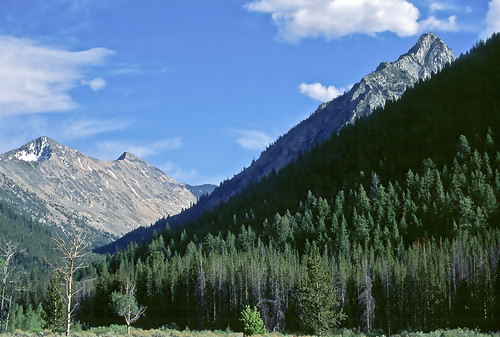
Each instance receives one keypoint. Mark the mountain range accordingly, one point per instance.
(57, 185)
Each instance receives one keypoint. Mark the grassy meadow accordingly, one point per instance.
(119, 330)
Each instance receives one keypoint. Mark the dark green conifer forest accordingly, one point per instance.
(399, 212)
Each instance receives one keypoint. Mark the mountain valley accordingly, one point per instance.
(380, 211)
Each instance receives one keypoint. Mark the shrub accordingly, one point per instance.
(252, 322)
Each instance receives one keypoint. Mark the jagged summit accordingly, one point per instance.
(37, 150)
(388, 82)
(44, 148)
(129, 156)
(426, 43)
(430, 52)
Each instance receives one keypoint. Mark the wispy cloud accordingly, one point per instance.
(178, 173)
(320, 92)
(437, 6)
(109, 150)
(16, 130)
(37, 78)
(87, 128)
(300, 19)
(492, 19)
(447, 6)
(96, 84)
(252, 139)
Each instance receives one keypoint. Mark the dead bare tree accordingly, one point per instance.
(366, 299)
(8, 249)
(72, 247)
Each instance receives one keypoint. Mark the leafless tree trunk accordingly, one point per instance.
(10, 306)
(366, 299)
(202, 283)
(8, 250)
(73, 247)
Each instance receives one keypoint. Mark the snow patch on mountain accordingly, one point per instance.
(36, 151)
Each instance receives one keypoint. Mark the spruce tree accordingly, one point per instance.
(54, 310)
(318, 302)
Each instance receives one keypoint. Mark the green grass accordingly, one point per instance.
(121, 330)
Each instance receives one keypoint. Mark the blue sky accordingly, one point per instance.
(199, 88)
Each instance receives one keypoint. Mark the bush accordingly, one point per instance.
(252, 322)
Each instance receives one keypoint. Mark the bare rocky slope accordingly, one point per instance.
(58, 185)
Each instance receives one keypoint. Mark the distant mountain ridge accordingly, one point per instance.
(201, 190)
(388, 82)
(57, 185)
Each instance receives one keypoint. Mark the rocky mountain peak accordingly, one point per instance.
(425, 43)
(127, 156)
(390, 80)
(430, 53)
(37, 150)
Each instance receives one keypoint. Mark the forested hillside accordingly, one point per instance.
(33, 239)
(400, 208)
(28, 268)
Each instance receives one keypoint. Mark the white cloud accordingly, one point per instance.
(299, 19)
(436, 6)
(252, 139)
(431, 23)
(319, 92)
(109, 150)
(86, 128)
(96, 84)
(492, 19)
(332, 19)
(36, 78)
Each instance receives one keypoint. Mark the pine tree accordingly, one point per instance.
(252, 322)
(54, 307)
(318, 302)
